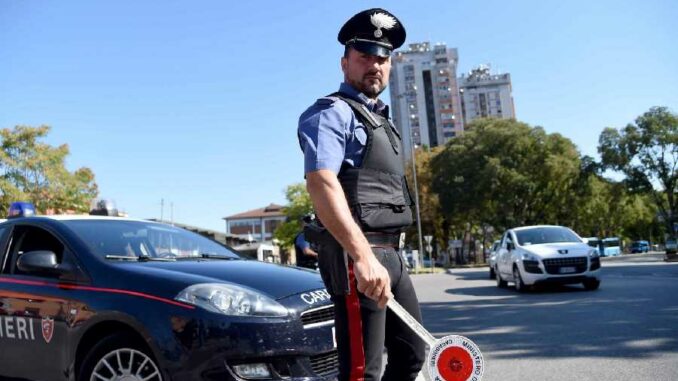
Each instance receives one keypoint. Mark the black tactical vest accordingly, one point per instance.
(377, 191)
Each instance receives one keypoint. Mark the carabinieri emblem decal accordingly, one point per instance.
(382, 20)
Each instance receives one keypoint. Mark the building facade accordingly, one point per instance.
(258, 224)
(424, 95)
(484, 95)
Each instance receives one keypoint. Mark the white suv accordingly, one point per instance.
(532, 255)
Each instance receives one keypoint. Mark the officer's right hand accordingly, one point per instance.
(373, 280)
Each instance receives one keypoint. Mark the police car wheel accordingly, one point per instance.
(117, 358)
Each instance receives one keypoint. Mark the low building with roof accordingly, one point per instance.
(257, 224)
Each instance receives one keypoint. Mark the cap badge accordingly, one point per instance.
(382, 20)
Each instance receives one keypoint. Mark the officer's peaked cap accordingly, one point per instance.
(374, 31)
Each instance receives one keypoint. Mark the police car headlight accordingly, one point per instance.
(593, 253)
(229, 299)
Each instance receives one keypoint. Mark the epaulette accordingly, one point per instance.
(326, 101)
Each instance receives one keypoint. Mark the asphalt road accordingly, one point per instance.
(626, 330)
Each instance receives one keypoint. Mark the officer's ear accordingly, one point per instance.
(344, 64)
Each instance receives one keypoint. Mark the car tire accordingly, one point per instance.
(518, 280)
(591, 284)
(124, 355)
(500, 282)
(492, 273)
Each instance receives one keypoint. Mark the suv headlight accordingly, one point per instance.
(593, 253)
(529, 257)
(229, 299)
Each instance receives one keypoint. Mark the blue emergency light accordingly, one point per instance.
(21, 209)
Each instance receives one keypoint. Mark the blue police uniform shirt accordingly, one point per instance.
(301, 242)
(331, 135)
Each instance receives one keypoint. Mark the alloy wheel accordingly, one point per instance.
(125, 364)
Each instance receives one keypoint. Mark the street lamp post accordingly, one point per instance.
(414, 175)
(416, 194)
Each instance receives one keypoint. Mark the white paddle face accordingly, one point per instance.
(455, 358)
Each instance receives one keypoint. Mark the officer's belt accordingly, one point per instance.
(383, 239)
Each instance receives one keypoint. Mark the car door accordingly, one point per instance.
(35, 310)
(501, 256)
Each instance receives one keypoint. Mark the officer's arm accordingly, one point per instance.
(332, 209)
(308, 251)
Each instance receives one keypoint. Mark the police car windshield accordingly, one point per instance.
(545, 235)
(114, 239)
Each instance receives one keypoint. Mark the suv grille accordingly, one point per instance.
(555, 266)
(325, 364)
(318, 316)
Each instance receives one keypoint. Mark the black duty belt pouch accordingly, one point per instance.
(331, 259)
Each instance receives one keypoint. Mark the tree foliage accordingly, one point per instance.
(432, 222)
(647, 154)
(504, 173)
(34, 171)
(298, 205)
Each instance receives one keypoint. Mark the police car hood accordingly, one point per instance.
(276, 281)
(553, 250)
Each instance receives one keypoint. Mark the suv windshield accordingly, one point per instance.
(144, 239)
(537, 236)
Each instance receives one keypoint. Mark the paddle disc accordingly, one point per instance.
(455, 358)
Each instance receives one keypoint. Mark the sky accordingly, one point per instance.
(196, 102)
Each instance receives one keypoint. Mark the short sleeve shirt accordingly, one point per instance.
(301, 242)
(330, 135)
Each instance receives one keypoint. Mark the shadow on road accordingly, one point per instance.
(619, 320)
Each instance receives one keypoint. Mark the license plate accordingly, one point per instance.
(566, 270)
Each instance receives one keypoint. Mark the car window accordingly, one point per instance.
(551, 234)
(3, 255)
(143, 239)
(31, 238)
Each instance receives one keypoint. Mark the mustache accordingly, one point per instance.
(373, 74)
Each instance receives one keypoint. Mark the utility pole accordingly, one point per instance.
(162, 208)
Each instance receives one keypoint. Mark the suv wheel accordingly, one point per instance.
(591, 284)
(500, 282)
(493, 274)
(117, 357)
(518, 280)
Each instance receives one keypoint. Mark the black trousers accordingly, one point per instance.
(363, 330)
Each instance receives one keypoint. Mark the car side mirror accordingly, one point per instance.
(43, 261)
(510, 246)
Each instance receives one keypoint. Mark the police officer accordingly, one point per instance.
(355, 177)
(306, 256)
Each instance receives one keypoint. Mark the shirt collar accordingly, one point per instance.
(375, 106)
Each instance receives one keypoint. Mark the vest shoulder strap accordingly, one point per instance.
(367, 116)
(358, 108)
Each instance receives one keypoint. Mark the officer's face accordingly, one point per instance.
(367, 73)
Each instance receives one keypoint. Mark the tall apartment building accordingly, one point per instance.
(424, 94)
(484, 94)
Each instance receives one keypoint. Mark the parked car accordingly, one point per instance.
(492, 262)
(533, 255)
(104, 298)
(640, 247)
(671, 246)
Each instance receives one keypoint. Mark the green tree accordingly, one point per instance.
(298, 205)
(504, 173)
(34, 171)
(432, 221)
(646, 153)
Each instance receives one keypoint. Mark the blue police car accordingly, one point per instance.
(89, 298)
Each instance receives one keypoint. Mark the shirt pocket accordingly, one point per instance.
(360, 135)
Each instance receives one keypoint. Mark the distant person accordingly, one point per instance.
(306, 256)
